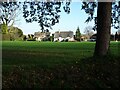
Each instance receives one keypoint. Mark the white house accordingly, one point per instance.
(39, 36)
(63, 35)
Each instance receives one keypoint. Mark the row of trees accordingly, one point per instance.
(47, 14)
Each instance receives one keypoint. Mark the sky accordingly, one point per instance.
(67, 22)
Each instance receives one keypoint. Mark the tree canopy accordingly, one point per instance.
(89, 8)
(8, 13)
(45, 13)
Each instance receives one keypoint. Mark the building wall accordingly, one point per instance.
(42, 35)
(63, 35)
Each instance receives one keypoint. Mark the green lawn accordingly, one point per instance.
(57, 65)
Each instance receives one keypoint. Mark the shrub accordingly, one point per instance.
(6, 37)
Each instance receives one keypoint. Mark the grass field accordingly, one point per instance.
(58, 65)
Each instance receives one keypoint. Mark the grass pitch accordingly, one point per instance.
(58, 65)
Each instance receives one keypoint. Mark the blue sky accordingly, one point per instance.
(67, 22)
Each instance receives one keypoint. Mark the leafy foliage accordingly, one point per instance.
(89, 8)
(7, 11)
(4, 28)
(14, 33)
(30, 37)
(116, 15)
(45, 13)
(6, 37)
(52, 37)
(7, 14)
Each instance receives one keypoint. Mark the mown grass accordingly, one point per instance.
(58, 65)
(44, 53)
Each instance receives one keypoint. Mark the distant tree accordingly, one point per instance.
(7, 14)
(6, 37)
(89, 31)
(4, 28)
(52, 37)
(14, 33)
(24, 38)
(78, 34)
(116, 36)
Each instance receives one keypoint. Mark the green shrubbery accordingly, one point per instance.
(6, 37)
(4, 28)
(11, 33)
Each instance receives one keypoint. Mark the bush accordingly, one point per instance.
(11, 33)
(19, 39)
(66, 40)
(6, 37)
(31, 40)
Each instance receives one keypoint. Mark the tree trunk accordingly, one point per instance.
(103, 28)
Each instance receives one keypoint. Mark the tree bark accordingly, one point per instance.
(103, 28)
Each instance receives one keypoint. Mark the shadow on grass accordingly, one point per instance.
(102, 72)
(87, 73)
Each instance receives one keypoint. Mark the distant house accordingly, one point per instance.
(84, 37)
(112, 37)
(64, 36)
(42, 36)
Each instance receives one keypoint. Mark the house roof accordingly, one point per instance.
(39, 34)
(63, 34)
